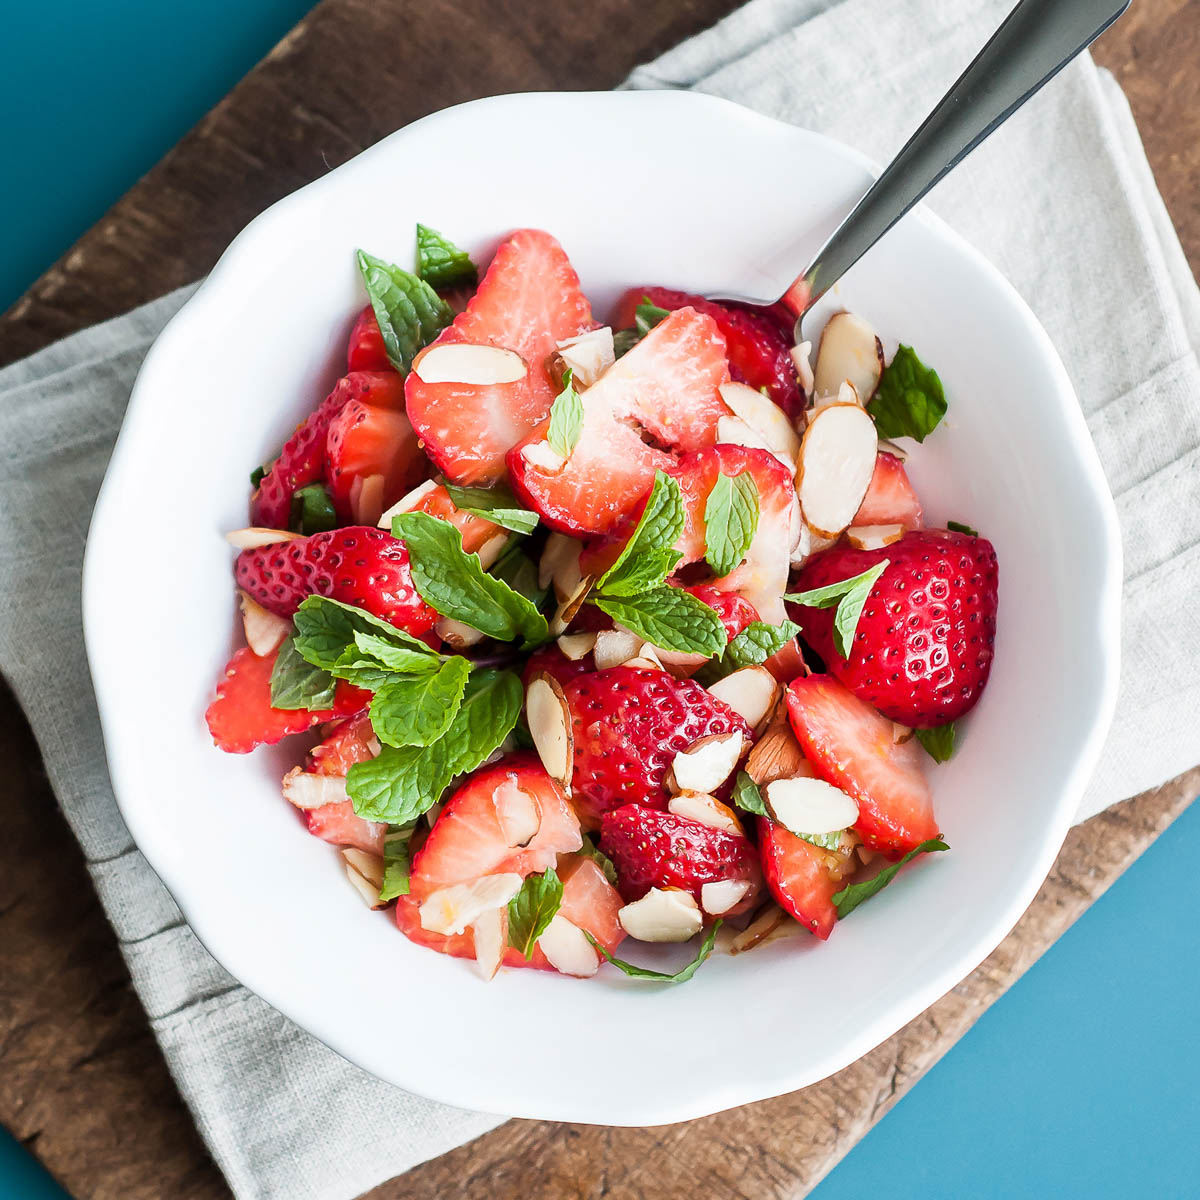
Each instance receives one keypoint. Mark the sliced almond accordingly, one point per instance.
(837, 460)
(848, 350)
(802, 360)
(812, 806)
(733, 431)
(369, 866)
(662, 915)
(718, 897)
(490, 935)
(762, 414)
(588, 355)
(873, 537)
(646, 659)
(550, 727)
(519, 814)
(777, 754)
(265, 631)
(576, 646)
(460, 362)
(707, 810)
(369, 894)
(614, 647)
(450, 910)
(707, 763)
(900, 733)
(407, 503)
(255, 536)
(559, 564)
(567, 948)
(366, 499)
(751, 692)
(432, 813)
(886, 447)
(456, 634)
(543, 456)
(757, 931)
(492, 549)
(569, 607)
(307, 790)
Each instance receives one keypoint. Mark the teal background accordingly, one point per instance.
(1078, 1083)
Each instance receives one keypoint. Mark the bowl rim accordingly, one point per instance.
(642, 1109)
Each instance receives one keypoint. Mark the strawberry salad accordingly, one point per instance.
(605, 632)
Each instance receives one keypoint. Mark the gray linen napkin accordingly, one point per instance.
(1061, 200)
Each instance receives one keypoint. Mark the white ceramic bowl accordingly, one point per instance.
(669, 188)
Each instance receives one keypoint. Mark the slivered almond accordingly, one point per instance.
(432, 813)
(751, 692)
(568, 607)
(543, 456)
(588, 355)
(490, 936)
(450, 910)
(733, 431)
(802, 360)
(762, 414)
(900, 733)
(753, 935)
(806, 805)
(614, 647)
(718, 897)
(460, 362)
(255, 536)
(559, 564)
(707, 763)
(306, 790)
(777, 754)
(873, 537)
(567, 948)
(886, 447)
(576, 646)
(518, 812)
(265, 631)
(848, 350)
(662, 915)
(550, 727)
(369, 894)
(369, 866)
(492, 549)
(837, 460)
(407, 502)
(456, 634)
(708, 810)
(646, 659)
(366, 499)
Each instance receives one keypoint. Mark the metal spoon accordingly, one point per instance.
(1038, 38)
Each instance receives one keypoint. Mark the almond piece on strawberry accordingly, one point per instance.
(528, 301)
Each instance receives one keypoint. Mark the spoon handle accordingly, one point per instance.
(1038, 38)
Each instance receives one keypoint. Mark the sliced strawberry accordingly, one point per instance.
(476, 531)
(667, 387)
(890, 499)
(469, 839)
(347, 743)
(364, 441)
(528, 301)
(735, 611)
(628, 724)
(340, 825)
(457, 945)
(787, 662)
(798, 877)
(366, 351)
(759, 340)
(651, 849)
(241, 717)
(851, 746)
(359, 565)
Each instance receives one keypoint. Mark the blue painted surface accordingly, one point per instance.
(1079, 1083)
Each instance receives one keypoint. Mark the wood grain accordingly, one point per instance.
(81, 1078)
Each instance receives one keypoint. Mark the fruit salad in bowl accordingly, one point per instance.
(598, 628)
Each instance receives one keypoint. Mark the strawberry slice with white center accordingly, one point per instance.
(890, 498)
(662, 396)
(851, 746)
(528, 302)
(372, 457)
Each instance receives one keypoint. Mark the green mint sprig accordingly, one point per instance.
(312, 510)
(440, 263)
(849, 595)
(850, 897)
(910, 400)
(296, 683)
(750, 648)
(939, 742)
(730, 521)
(496, 504)
(532, 909)
(681, 976)
(566, 419)
(646, 316)
(410, 313)
(396, 860)
(959, 527)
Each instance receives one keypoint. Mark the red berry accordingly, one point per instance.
(735, 612)
(798, 877)
(890, 499)
(366, 351)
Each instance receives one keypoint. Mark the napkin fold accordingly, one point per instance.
(1062, 201)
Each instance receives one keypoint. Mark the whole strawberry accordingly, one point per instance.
(358, 565)
(628, 724)
(923, 647)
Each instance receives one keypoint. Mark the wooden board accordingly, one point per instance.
(81, 1079)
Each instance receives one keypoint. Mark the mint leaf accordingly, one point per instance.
(909, 401)
(399, 659)
(624, 340)
(849, 595)
(730, 519)
(532, 909)
(668, 617)
(653, 540)
(592, 851)
(959, 527)
(849, 898)
(566, 419)
(415, 710)
(519, 571)
(396, 860)
(441, 263)
(680, 976)
(404, 781)
(938, 742)
(326, 628)
(647, 315)
(312, 510)
(496, 504)
(747, 796)
(754, 645)
(454, 583)
(256, 476)
(410, 313)
(296, 683)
